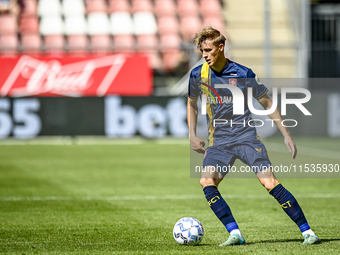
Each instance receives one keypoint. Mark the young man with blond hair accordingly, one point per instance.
(231, 140)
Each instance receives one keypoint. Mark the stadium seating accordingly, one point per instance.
(77, 44)
(121, 23)
(119, 6)
(8, 44)
(187, 7)
(189, 26)
(98, 23)
(141, 6)
(170, 51)
(172, 41)
(167, 25)
(157, 28)
(214, 21)
(73, 8)
(147, 42)
(75, 25)
(148, 45)
(48, 8)
(144, 23)
(100, 43)
(124, 43)
(96, 6)
(30, 8)
(210, 8)
(31, 43)
(54, 44)
(171, 58)
(8, 24)
(165, 8)
(28, 24)
(51, 25)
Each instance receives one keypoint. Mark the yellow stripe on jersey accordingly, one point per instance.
(205, 73)
(263, 94)
(205, 77)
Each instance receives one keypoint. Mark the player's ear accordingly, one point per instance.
(221, 47)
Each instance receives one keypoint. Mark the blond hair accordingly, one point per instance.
(208, 33)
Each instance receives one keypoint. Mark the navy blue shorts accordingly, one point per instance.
(250, 150)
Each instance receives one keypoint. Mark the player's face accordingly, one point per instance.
(211, 53)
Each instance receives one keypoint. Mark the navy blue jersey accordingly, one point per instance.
(232, 74)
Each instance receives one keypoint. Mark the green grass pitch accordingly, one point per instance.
(121, 198)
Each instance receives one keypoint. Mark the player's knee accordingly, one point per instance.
(203, 182)
(269, 183)
(207, 181)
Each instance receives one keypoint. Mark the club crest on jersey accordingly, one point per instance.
(233, 82)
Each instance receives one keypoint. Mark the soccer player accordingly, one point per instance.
(234, 139)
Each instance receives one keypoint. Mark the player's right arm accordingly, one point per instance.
(192, 110)
(266, 102)
(260, 93)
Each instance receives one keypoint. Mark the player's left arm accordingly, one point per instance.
(276, 116)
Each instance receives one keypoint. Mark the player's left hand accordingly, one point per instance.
(291, 146)
(197, 144)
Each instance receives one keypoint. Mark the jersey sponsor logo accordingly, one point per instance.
(225, 100)
(209, 93)
(258, 150)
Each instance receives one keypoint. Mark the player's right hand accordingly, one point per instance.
(291, 146)
(197, 144)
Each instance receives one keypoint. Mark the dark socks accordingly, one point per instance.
(220, 207)
(290, 206)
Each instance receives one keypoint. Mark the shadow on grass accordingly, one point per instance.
(276, 241)
(292, 240)
(204, 244)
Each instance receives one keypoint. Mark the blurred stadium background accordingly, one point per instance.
(70, 56)
(76, 73)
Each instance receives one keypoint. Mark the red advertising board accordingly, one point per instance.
(120, 74)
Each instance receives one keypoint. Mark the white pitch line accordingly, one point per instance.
(174, 197)
(90, 141)
(306, 151)
(67, 142)
(173, 141)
